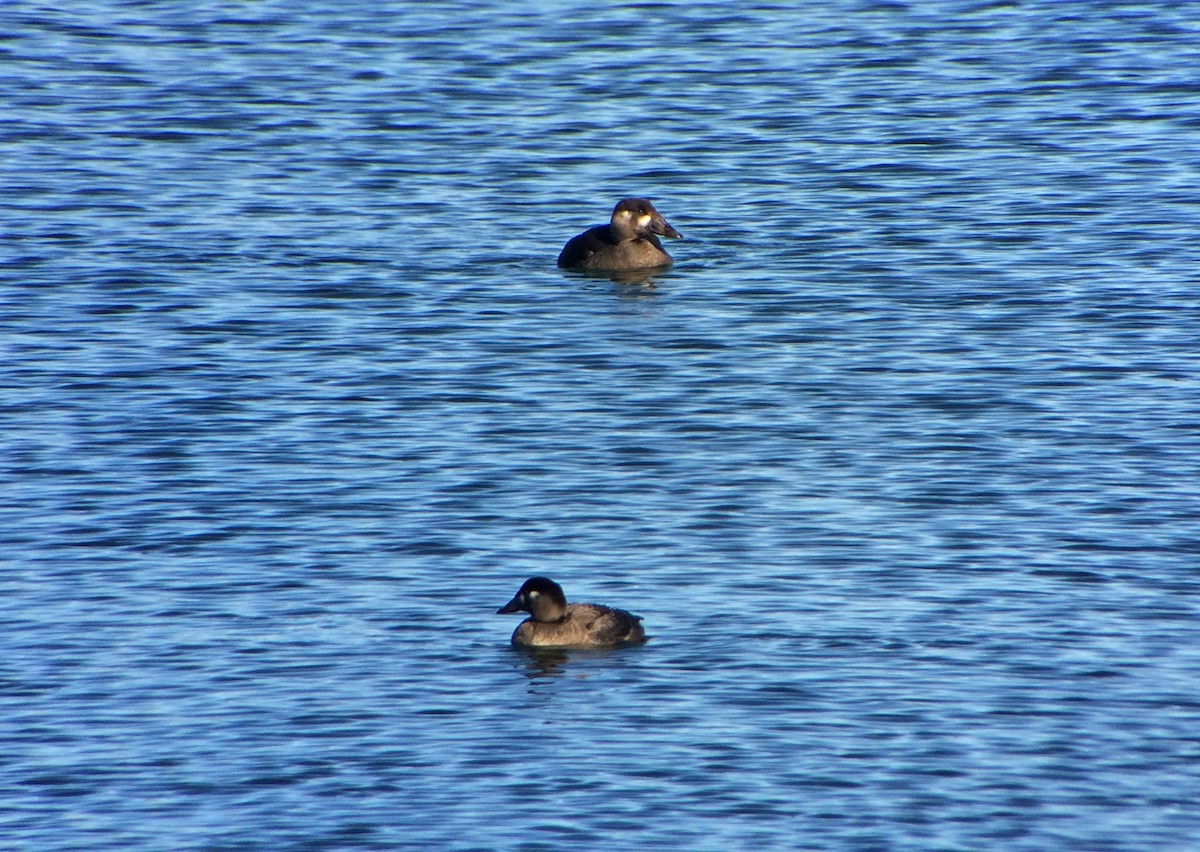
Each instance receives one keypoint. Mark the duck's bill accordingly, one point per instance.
(659, 226)
(512, 606)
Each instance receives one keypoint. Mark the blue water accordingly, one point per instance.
(900, 462)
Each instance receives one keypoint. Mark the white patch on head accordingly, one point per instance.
(643, 220)
(624, 214)
(531, 594)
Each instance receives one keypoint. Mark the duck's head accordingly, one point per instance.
(540, 597)
(636, 217)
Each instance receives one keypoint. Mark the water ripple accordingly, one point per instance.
(898, 461)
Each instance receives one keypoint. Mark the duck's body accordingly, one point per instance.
(554, 623)
(627, 242)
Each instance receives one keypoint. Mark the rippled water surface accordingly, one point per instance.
(899, 462)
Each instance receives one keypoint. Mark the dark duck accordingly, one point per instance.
(629, 241)
(554, 623)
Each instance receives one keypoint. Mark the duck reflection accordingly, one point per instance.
(539, 664)
(544, 662)
(630, 281)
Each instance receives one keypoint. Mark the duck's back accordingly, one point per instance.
(607, 625)
(585, 625)
(596, 248)
(581, 249)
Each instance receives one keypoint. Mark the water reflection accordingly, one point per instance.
(553, 662)
(635, 279)
(544, 662)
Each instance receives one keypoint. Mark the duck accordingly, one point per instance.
(627, 242)
(554, 623)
